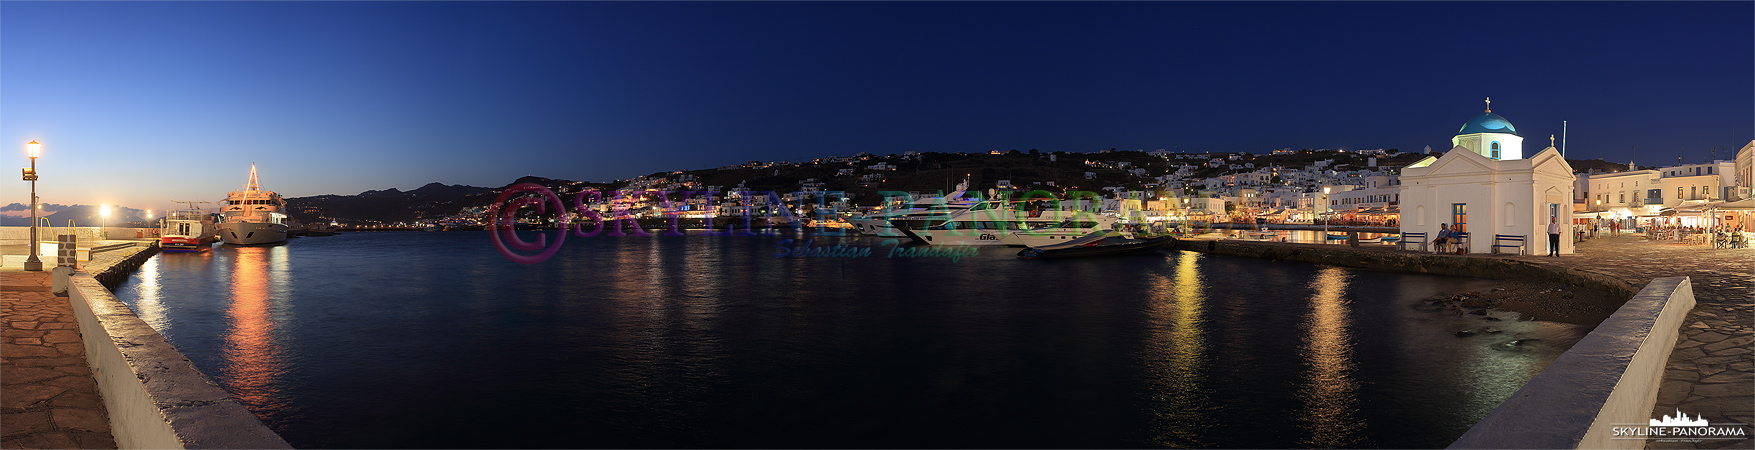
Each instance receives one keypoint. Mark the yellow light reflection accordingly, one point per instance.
(252, 357)
(150, 304)
(1176, 357)
(1330, 392)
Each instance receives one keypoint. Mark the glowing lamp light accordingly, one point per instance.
(33, 149)
(149, 214)
(104, 210)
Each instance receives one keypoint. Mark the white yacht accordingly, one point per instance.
(919, 214)
(1064, 233)
(253, 216)
(990, 222)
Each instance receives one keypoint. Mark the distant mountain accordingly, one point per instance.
(392, 205)
(436, 189)
(392, 192)
(18, 214)
(49, 207)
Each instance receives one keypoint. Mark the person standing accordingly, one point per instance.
(1553, 236)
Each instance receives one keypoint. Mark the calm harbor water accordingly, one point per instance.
(434, 340)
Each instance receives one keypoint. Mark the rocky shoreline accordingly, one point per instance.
(1548, 301)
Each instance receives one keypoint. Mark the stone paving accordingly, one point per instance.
(1711, 373)
(48, 398)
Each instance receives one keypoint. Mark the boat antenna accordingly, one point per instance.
(252, 185)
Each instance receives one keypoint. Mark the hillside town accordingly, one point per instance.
(1283, 186)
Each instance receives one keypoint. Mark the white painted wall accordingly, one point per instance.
(1510, 145)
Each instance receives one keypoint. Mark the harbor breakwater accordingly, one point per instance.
(113, 275)
(1388, 258)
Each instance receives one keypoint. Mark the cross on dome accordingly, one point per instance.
(1489, 104)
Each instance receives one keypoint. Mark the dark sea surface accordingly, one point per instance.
(436, 340)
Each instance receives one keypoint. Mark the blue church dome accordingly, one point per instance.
(1488, 123)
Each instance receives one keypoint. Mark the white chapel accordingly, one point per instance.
(1486, 187)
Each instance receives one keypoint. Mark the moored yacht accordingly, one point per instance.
(919, 214)
(1059, 234)
(253, 215)
(187, 230)
(990, 222)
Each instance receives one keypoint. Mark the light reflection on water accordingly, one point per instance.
(150, 307)
(1329, 390)
(1176, 358)
(1306, 236)
(252, 350)
(433, 340)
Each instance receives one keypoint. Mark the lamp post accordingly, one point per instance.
(31, 149)
(104, 213)
(1324, 219)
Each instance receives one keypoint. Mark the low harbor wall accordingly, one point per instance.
(1609, 378)
(155, 397)
(20, 235)
(117, 273)
(1385, 257)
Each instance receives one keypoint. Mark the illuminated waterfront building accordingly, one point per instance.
(1486, 185)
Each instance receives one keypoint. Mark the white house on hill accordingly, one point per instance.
(1486, 186)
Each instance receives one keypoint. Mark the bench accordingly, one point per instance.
(1412, 238)
(1461, 239)
(1510, 241)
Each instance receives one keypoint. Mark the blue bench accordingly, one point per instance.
(1461, 240)
(1510, 241)
(1412, 238)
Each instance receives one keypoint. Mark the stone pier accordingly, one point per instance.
(48, 398)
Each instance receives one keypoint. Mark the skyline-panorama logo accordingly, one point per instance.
(1680, 420)
(1681, 428)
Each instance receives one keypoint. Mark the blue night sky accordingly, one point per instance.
(142, 103)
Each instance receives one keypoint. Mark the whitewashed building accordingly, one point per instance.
(1485, 185)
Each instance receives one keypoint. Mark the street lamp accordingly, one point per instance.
(32, 149)
(1324, 219)
(104, 212)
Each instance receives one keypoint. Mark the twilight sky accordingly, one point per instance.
(142, 103)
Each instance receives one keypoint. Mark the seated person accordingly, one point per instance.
(1442, 242)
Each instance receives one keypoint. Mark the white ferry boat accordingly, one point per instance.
(990, 222)
(187, 230)
(253, 216)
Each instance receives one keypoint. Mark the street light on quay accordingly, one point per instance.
(32, 149)
(1324, 219)
(104, 213)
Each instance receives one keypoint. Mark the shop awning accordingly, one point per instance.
(1747, 204)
